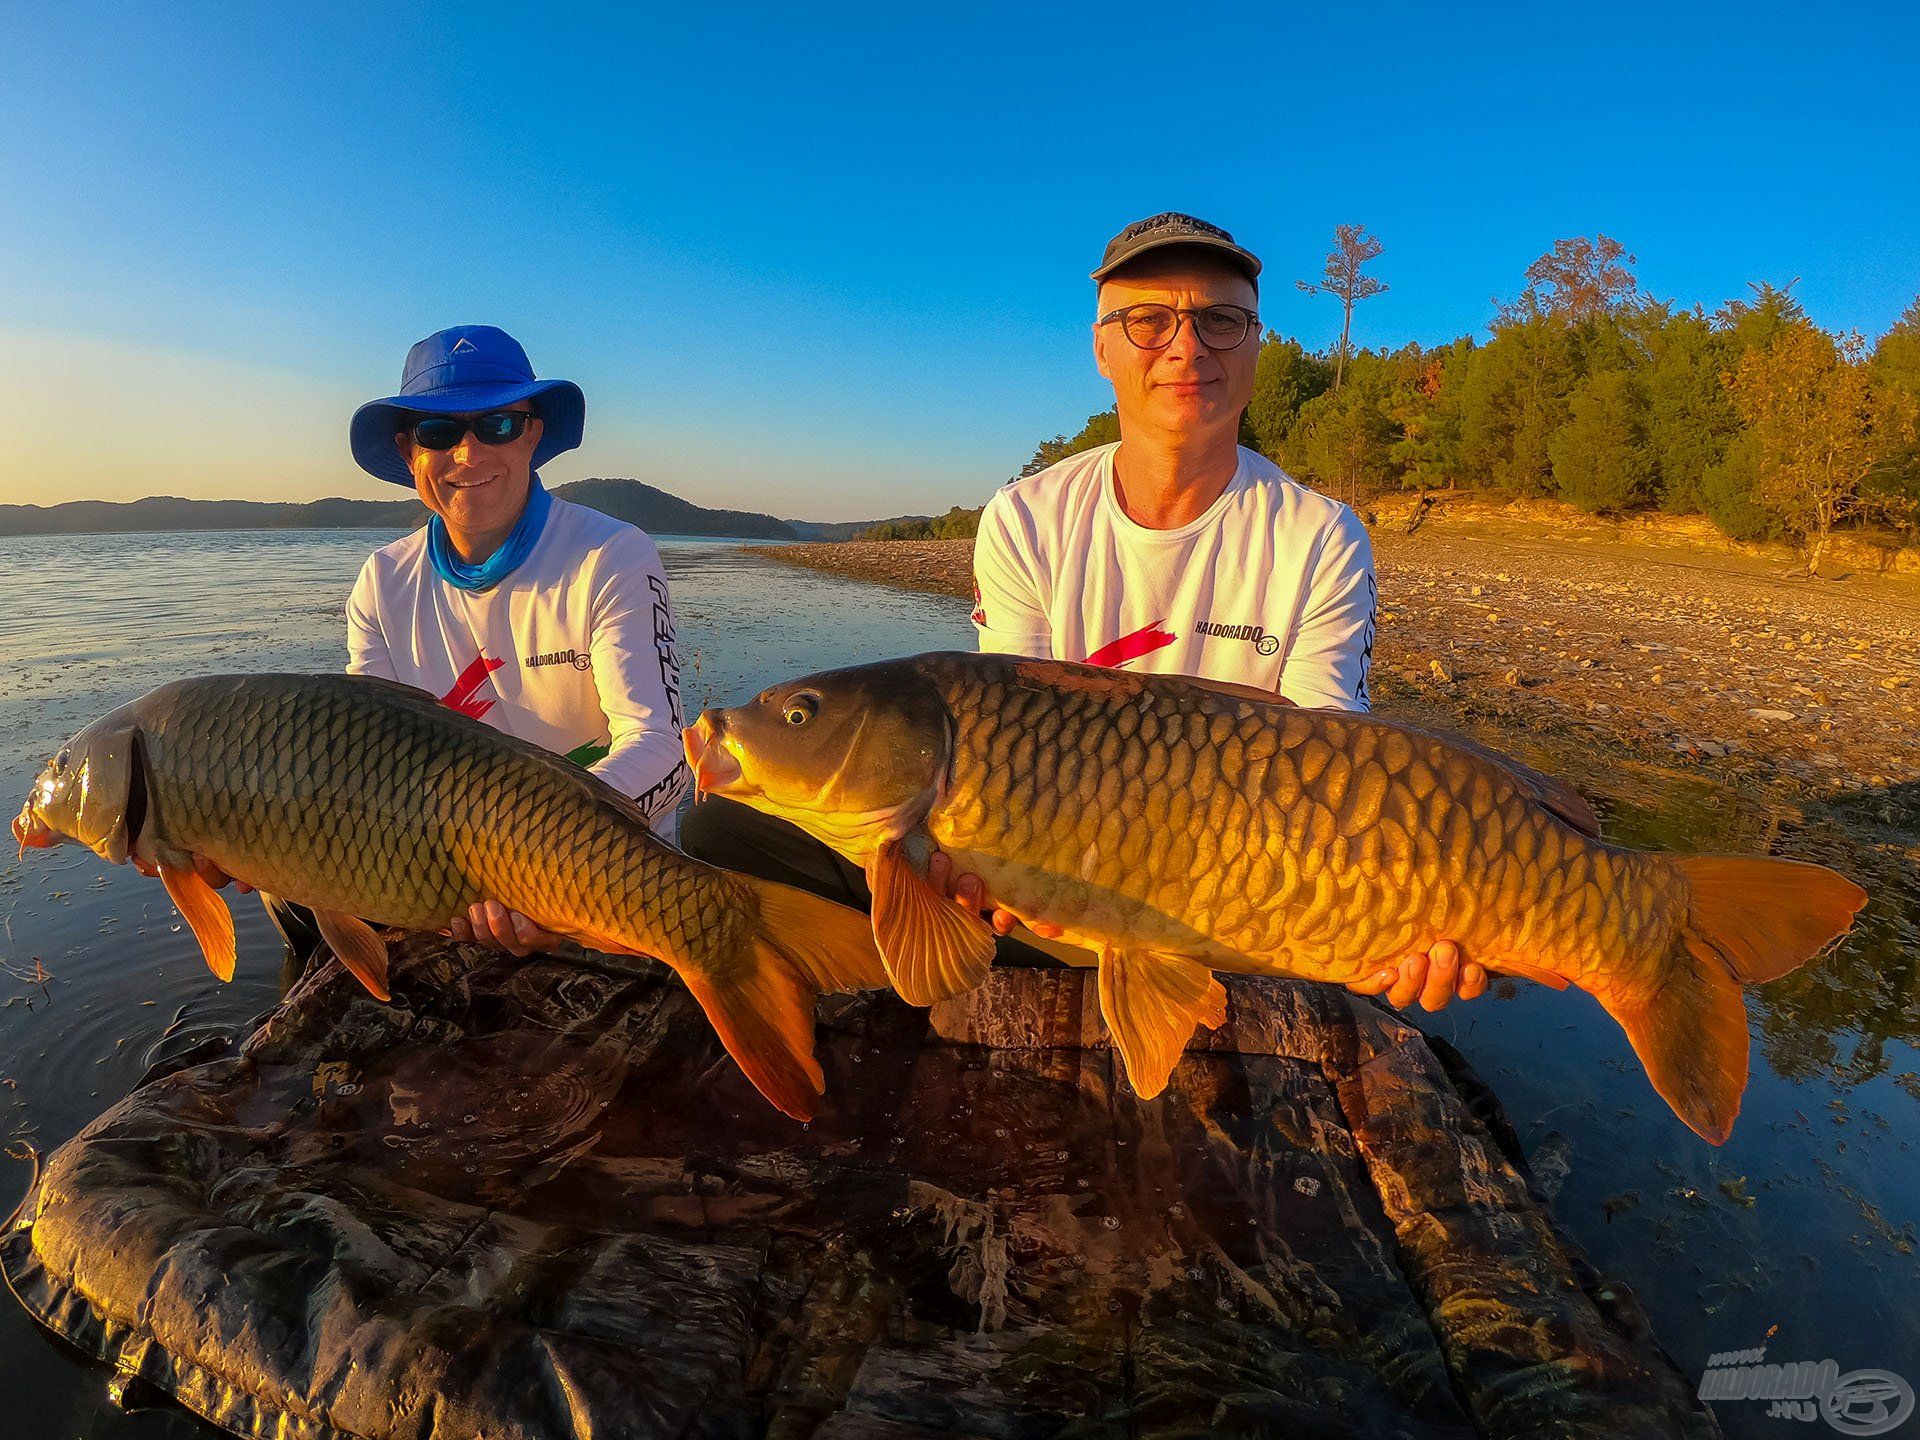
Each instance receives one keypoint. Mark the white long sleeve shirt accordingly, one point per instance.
(1273, 586)
(573, 651)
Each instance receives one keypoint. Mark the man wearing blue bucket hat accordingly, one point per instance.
(546, 619)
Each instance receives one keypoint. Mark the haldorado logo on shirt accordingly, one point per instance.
(1254, 635)
(578, 659)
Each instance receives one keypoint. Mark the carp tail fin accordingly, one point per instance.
(761, 1001)
(1766, 918)
(1690, 1033)
(765, 1019)
(1748, 921)
(831, 943)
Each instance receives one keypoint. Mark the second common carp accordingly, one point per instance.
(371, 801)
(1176, 827)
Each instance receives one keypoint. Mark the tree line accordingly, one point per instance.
(1592, 392)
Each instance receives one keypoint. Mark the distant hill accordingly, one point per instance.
(641, 504)
(654, 510)
(169, 512)
(846, 529)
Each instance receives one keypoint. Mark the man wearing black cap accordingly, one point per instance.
(1176, 551)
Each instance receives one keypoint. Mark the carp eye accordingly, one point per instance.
(60, 760)
(802, 708)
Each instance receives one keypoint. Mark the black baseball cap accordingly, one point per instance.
(1173, 228)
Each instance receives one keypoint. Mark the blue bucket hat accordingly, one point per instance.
(458, 372)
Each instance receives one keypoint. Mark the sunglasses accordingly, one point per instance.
(443, 432)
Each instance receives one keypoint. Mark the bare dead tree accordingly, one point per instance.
(1352, 249)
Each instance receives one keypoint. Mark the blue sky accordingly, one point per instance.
(831, 262)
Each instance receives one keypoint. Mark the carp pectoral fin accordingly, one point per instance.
(1152, 1003)
(1213, 1009)
(206, 915)
(933, 949)
(763, 1014)
(1533, 973)
(360, 950)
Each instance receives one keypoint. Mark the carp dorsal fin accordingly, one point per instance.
(1555, 795)
(1152, 1004)
(360, 950)
(206, 915)
(1099, 679)
(1235, 690)
(932, 948)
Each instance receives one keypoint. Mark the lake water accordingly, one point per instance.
(1806, 1221)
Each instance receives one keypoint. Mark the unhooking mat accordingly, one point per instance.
(532, 1200)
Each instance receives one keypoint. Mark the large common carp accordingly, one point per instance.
(371, 801)
(1177, 827)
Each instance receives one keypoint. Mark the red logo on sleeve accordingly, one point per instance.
(1143, 641)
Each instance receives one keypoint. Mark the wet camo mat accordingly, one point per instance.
(532, 1200)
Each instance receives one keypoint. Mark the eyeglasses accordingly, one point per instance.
(443, 432)
(1152, 327)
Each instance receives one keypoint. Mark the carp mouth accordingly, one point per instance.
(32, 832)
(714, 770)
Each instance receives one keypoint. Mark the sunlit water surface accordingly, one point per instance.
(1805, 1221)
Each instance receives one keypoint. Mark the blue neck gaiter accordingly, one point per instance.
(511, 555)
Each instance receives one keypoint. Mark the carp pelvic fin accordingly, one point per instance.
(933, 949)
(359, 949)
(1152, 1004)
(206, 915)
